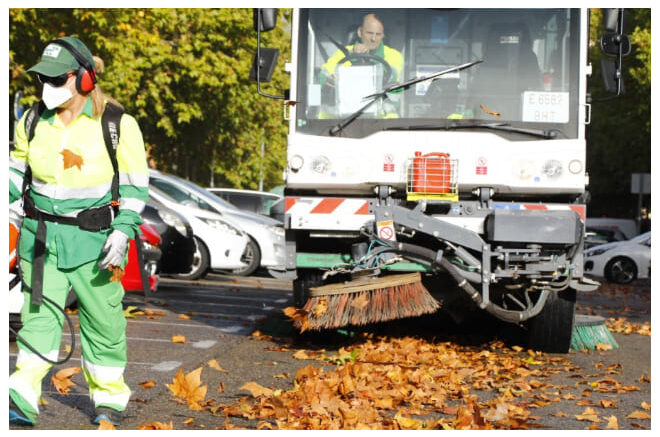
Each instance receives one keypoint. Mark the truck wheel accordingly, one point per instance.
(200, 264)
(551, 330)
(306, 278)
(252, 258)
(621, 270)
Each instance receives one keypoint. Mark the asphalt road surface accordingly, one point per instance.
(184, 325)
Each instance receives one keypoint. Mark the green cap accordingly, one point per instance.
(57, 60)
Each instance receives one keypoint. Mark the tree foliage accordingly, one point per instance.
(619, 136)
(183, 73)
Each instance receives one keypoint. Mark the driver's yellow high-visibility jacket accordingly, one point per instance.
(392, 56)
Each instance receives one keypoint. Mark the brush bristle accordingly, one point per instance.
(592, 337)
(369, 306)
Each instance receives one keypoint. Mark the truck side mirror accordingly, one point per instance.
(265, 64)
(264, 19)
(613, 43)
(611, 19)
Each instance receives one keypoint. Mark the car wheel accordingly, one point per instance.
(621, 270)
(551, 330)
(252, 258)
(200, 263)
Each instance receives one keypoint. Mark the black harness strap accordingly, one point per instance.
(110, 122)
(38, 258)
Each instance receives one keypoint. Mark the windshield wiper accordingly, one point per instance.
(403, 85)
(504, 127)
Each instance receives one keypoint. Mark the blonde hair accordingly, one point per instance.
(99, 98)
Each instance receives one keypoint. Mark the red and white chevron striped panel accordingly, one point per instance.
(329, 213)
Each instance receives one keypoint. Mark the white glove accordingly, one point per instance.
(115, 247)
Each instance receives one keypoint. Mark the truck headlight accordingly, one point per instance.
(552, 168)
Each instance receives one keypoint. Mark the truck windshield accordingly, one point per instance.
(528, 78)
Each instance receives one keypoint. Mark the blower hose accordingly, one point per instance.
(73, 336)
(462, 282)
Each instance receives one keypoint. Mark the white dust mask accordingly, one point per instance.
(55, 96)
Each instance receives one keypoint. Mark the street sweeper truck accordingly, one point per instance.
(436, 162)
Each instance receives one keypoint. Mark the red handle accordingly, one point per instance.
(438, 155)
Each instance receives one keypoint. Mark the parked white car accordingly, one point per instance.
(220, 245)
(266, 245)
(621, 261)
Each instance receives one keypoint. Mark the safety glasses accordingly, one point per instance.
(56, 81)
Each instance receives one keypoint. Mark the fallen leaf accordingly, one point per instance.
(117, 273)
(184, 316)
(360, 302)
(188, 421)
(257, 390)
(299, 316)
(178, 339)
(62, 379)
(612, 422)
(71, 159)
(302, 355)
(607, 404)
(639, 414)
(489, 111)
(152, 313)
(320, 308)
(155, 425)
(130, 312)
(105, 425)
(213, 364)
(588, 414)
(221, 387)
(189, 388)
(646, 406)
(147, 384)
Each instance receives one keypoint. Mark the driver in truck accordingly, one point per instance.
(370, 34)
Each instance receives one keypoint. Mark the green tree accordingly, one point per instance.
(619, 136)
(183, 73)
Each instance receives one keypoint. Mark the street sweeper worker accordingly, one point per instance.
(74, 232)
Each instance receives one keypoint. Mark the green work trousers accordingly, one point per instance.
(102, 334)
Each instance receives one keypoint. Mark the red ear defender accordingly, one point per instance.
(85, 80)
(86, 77)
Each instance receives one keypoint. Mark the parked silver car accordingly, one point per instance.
(255, 201)
(266, 245)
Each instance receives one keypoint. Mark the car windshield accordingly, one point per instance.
(527, 78)
(179, 194)
(203, 192)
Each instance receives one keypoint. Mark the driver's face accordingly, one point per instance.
(371, 33)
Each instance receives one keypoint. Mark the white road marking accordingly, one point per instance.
(204, 344)
(166, 366)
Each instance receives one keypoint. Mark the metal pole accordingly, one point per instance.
(261, 167)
